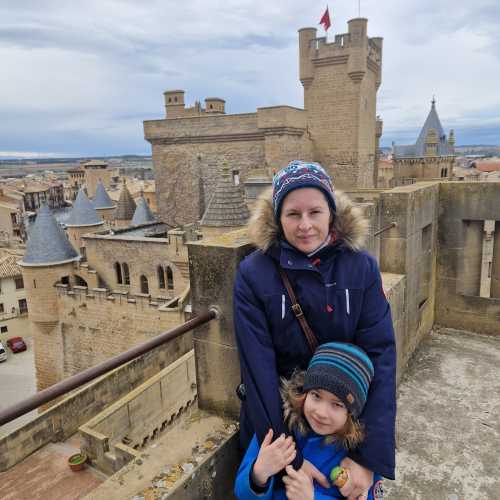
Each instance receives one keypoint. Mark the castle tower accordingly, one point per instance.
(215, 105)
(125, 208)
(142, 214)
(83, 219)
(340, 81)
(174, 103)
(103, 204)
(96, 171)
(49, 259)
(226, 210)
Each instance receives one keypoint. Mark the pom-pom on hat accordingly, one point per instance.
(344, 370)
(300, 174)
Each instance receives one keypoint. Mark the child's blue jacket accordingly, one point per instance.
(324, 456)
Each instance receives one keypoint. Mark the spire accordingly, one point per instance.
(47, 242)
(101, 198)
(126, 205)
(227, 207)
(432, 123)
(83, 213)
(142, 214)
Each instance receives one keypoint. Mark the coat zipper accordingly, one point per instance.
(348, 306)
(283, 307)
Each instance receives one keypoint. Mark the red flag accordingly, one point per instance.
(325, 20)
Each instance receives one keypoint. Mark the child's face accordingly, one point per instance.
(324, 412)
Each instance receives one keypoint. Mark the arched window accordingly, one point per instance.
(118, 270)
(79, 281)
(170, 278)
(126, 274)
(144, 284)
(161, 277)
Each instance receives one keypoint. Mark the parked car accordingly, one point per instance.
(3, 353)
(16, 344)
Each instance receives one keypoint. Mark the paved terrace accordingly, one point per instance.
(448, 425)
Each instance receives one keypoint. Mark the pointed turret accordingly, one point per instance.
(142, 214)
(432, 137)
(227, 209)
(83, 219)
(49, 257)
(83, 213)
(125, 208)
(102, 199)
(104, 205)
(47, 244)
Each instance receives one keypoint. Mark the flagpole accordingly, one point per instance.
(359, 8)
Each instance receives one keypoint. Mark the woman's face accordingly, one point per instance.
(305, 218)
(324, 412)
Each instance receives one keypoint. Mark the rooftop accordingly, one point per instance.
(47, 242)
(83, 212)
(142, 214)
(9, 267)
(102, 199)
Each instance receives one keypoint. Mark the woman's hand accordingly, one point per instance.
(298, 485)
(314, 474)
(360, 480)
(272, 457)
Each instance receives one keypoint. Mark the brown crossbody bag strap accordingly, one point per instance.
(297, 310)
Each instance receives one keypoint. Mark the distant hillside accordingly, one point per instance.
(478, 149)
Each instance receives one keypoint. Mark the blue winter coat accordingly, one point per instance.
(324, 456)
(340, 291)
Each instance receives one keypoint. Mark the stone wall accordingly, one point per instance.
(410, 249)
(63, 419)
(464, 208)
(94, 326)
(111, 437)
(143, 256)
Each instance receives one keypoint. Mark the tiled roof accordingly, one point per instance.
(142, 214)
(126, 206)
(487, 166)
(83, 213)
(227, 207)
(102, 199)
(47, 242)
(9, 267)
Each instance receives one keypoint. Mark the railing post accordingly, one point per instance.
(212, 269)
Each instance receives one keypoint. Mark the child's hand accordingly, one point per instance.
(298, 485)
(272, 457)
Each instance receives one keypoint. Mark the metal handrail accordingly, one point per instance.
(75, 381)
(386, 228)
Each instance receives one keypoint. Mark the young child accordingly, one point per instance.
(321, 407)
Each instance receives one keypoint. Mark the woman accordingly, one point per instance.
(315, 236)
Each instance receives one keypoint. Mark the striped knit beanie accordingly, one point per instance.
(344, 370)
(299, 174)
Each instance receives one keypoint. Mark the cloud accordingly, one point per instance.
(83, 75)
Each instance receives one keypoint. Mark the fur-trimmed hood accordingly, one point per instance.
(349, 223)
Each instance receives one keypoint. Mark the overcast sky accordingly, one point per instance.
(78, 78)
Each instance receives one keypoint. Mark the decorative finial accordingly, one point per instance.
(433, 102)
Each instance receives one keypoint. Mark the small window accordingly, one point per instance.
(169, 99)
(161, 277)
(23, 306)
(126, 274)
(144, 284)
(19, 282)
(3, 329)
(118, 271)
(175, 99)
(170, 278)
(65, 280)
(1, 308)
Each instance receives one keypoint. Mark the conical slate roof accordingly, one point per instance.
(47, 243)
(125, 207)
(227, 207)
(433, 122)
(101, 198)
(142, 214)
(418, 149)
(83, 213)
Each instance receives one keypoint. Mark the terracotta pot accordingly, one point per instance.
(77, 462)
